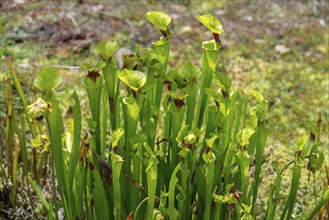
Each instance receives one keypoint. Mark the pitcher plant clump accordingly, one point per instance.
(160, 143)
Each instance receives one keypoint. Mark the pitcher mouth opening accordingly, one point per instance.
(211, 45)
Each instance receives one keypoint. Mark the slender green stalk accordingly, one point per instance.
(228, 112)
(14, 171)
(100, 205)
(38, 191)
(151, 171)
(139, 207)
(20, 92)
(286, 214)
(201, 185)
(166, 129)
(183, 205)
(9, 133)
(177, 116)
(324, 200)
(162, 48)
(260, 136)
(117, 162)
(23, 146)
(273, 197)
(173, 213)
(79, 187)
(110, 76)
(209, 158)
(76, 137)
(190, 103)
(303, 148)
(104, 112)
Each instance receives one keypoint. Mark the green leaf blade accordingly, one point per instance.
(160, 19)
(212, 23)
(189, 71)
(107, 49)
(48, 79)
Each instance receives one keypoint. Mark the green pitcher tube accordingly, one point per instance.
(210, 51)
(162, 48)
(177, 116)
(110, 76)
(94, 83)
(211, 119)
